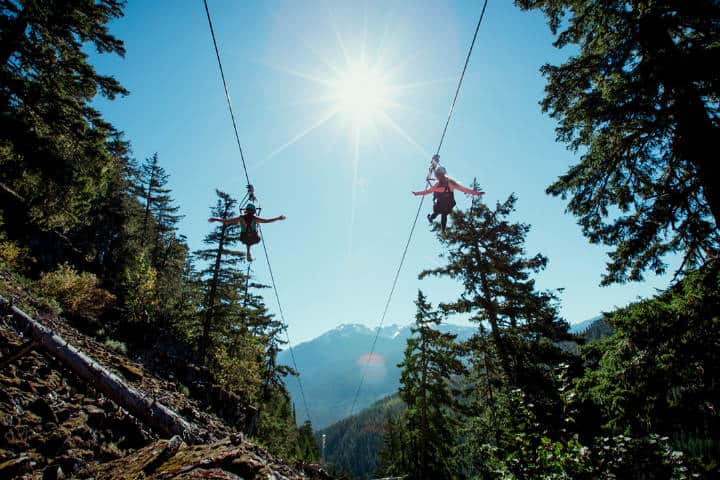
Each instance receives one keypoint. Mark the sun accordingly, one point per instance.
(360, 94)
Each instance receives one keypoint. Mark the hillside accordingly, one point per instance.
(332, 364)
(54, 425)
(352, 444)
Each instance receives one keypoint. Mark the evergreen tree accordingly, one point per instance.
(273, 373)
(431, 359)
(358, 446)
(160, 217)
(187, 321)
(223, 280)
(519, 348)
(170, 280)
(487, 254)
(485, 408)
(158, 226)
(54, 157)
(392, 457)
(276, 427)
(640, 101)
(307, 449)
(107, 239)
(660, 370)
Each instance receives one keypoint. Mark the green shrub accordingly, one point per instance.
(12, 256)
(140, 290)
(116, 345)
(77, 293)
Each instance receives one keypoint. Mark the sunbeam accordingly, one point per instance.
(356, 164)
(324, 119)
(404, 134)
(296, 73)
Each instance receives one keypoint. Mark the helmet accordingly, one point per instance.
(436, 157)
(440, 170)
(250, 207)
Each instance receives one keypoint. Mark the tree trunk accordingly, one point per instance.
(155, 415)
(210, 304)
(495, 330)
(148, 200)
(696, 134)
(697, 139)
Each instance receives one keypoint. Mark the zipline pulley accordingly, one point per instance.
(250, 198)
(251, 194)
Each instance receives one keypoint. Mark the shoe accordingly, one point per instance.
(429, 217)
(249, 257)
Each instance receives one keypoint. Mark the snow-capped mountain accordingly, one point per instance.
(332, 365)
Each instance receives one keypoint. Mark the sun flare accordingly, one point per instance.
(361, 94)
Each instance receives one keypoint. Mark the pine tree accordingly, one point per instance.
(274, 374)
(640, 101)
(224, 281)
(431, 360)
(486, 253)
(54, 157)
(187, 321)
(107, 239)
(660, 370)
(276, 426)
(160, 217)
(392, 457)
(307, 449)
(170, 282)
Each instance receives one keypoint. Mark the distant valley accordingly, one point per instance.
(332, 365)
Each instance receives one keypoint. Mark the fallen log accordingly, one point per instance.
(153, 414)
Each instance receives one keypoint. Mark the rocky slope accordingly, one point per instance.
(53, 425)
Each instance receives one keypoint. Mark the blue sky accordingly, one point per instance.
(345, 185)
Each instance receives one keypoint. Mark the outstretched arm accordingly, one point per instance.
(469, 191)
(425, 192)
(224, 220)
(269, 220)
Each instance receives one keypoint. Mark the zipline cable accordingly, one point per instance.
(284, 324)
(262, 237)
(417, 215)
(227, 92)
(462, 76)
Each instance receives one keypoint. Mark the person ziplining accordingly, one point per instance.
(442, 190)
(249, 234)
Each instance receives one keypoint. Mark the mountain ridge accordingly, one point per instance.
(333, 364)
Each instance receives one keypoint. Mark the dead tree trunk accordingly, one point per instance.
(155, 415)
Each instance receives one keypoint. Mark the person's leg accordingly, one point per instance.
(432, 216)
(247, 255)
(443, 222)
